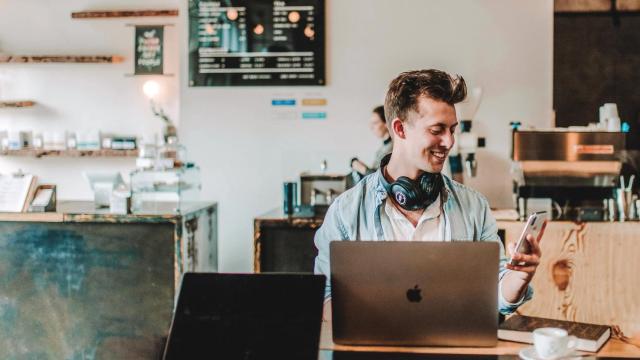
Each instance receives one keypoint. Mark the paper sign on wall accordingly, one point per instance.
(149, 50)
(314, 107)
(284, 107)
(291, 106)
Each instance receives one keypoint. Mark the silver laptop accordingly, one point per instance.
(415, 293)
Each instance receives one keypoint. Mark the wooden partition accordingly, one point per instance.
(590, 272)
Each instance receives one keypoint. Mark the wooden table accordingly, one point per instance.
(613, 348)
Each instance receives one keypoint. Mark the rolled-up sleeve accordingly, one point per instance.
(506, 307)
(490, 233)
(332, 229)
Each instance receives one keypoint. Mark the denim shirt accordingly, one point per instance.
(355, 215)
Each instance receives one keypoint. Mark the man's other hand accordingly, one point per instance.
(358, 166)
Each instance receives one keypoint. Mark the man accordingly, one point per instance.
(425, 205)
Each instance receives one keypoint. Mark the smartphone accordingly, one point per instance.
(534, 226)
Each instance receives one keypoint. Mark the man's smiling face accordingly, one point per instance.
(429, 134)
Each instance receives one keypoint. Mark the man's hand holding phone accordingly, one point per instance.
(525, 254)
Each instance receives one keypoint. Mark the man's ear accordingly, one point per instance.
(398, 128)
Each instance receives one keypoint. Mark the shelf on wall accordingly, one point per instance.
(100, 14)
(61, 59)
(16, 104)
(70, 153)
(150, 75)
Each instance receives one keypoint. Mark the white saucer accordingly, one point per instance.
(529, 353)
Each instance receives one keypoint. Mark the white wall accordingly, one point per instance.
(505, 46)
(79, 96)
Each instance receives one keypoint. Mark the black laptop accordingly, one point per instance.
(247, 316)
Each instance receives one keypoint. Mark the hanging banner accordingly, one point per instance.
(149, 43)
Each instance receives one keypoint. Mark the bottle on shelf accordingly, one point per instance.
(54, 140)
(71, 140)
(38, 142)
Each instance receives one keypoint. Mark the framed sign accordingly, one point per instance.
(149, 50)
(256, 42)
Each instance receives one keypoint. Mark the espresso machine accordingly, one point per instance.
(575, 171)
(317, 191)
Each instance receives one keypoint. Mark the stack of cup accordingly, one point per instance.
(626, 210)
(626, 200)
(609, 119)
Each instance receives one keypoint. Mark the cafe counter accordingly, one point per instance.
(83, 283)
(588, 272)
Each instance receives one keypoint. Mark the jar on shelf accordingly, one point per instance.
(147, 153)
(171, 154)
(38, 141)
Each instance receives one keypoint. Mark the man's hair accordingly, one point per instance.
(405, 90)
(380, 111)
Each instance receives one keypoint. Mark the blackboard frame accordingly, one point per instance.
(305, 72)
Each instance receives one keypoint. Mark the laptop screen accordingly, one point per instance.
(247, 316)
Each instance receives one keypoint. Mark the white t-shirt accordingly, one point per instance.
(431, 225)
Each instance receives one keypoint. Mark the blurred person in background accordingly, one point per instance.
(378, 126)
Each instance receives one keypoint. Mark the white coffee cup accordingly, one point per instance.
(553, 343)
(613, 124)
(610, 110)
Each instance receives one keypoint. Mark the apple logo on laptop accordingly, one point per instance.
(413, 295)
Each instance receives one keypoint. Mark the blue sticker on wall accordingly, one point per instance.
(321, 115)
(283, 102)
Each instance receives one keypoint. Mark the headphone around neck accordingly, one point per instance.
(411, 194)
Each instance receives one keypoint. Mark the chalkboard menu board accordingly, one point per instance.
(256, 42)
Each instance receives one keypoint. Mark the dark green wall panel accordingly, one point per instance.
(85, 290)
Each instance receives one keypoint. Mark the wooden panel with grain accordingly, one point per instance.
(581, 5)
(586, 6)
(628, 5)
(588, 273)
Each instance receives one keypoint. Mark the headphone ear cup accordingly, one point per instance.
(406, 194)
(431, 184)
